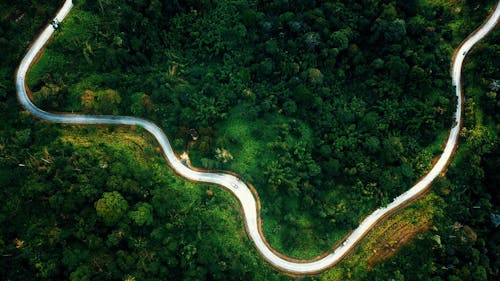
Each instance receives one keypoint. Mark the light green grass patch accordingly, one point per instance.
(248, 141)
(78, 27)
(49, 63)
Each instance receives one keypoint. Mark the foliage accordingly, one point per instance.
(111, 207)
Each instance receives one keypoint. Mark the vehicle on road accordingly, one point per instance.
(55, 24)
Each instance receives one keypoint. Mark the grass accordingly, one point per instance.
(49, 63)
(309, 247)
(247, 150)
(122, 139)
(247, 140)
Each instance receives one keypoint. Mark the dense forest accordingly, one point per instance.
(329, 108)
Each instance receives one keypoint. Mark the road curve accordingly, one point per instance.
(236, 186)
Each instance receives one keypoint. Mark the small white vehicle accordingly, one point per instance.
(55, 24)
(235, 186)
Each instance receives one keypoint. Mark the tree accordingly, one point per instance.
(87, 100)
(417, 74)
(111, 207)
(82, 273)
(410, 7)
(372, 144)
(393, 148)
(398, 68)
(394, 30)
(107, 102)
(315, 76)
(48, 96)
(142, 214)
(340, 39)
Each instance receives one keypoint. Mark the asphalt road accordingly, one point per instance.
(236, 186)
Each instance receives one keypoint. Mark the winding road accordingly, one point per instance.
(236, 186)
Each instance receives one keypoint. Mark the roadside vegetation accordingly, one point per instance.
(330, 109)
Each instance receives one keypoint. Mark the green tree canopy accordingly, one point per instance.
(111, 207)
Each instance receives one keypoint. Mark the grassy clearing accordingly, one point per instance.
(309, 247)
(122, 139)
(49, 63)
(248, 142)
(247, 150)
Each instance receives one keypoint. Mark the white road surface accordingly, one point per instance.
(237, 186)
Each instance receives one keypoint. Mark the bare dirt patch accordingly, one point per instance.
(397, 236)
